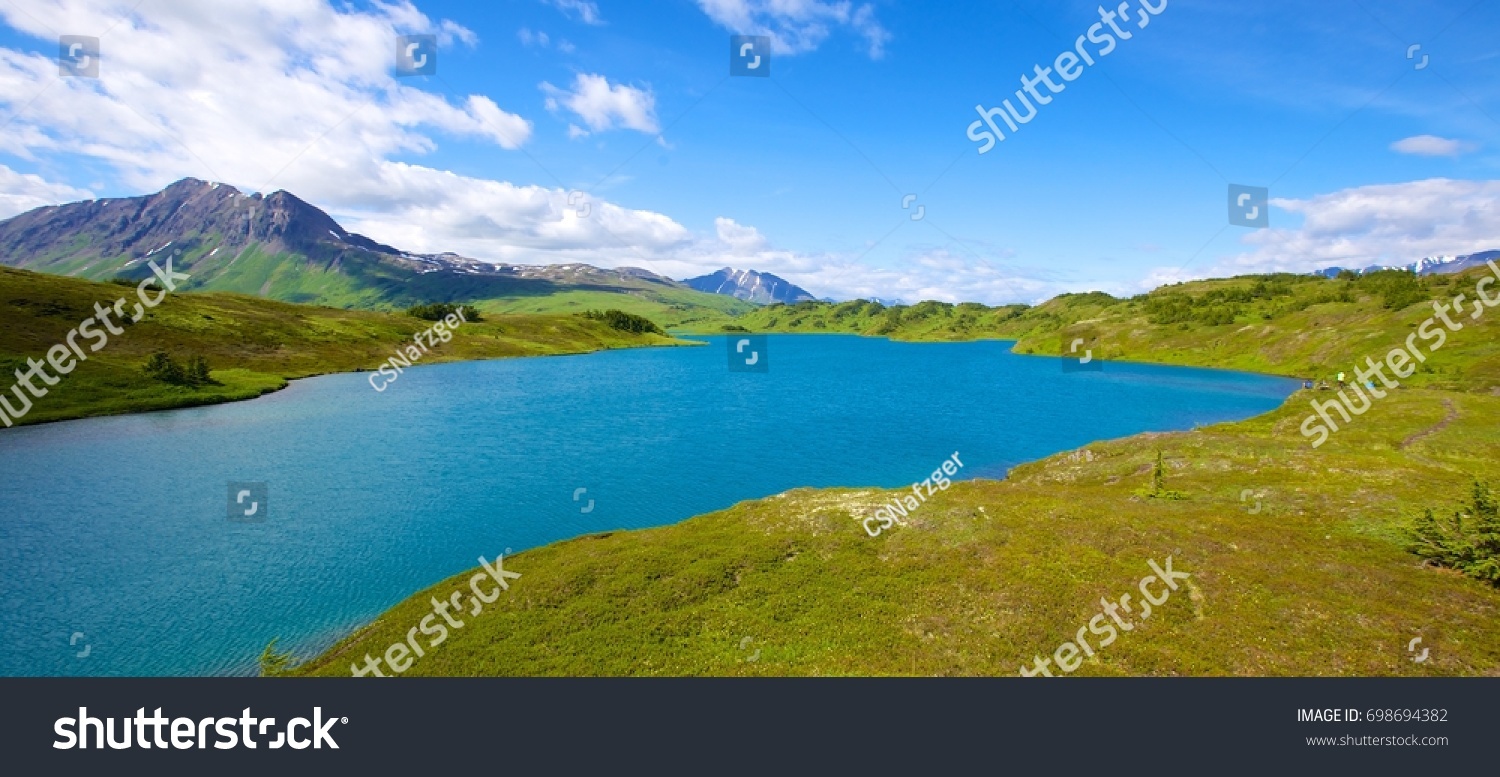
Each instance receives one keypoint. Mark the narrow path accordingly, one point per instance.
(1441, 425)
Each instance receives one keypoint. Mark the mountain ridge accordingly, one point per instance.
(281, 247)
(1427, 265)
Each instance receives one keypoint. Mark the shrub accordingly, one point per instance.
(1396, 288)
(1468, 542)
(625, 322)
(163, 367)
(438, 311)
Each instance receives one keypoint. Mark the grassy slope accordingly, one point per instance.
(253, 345)
(923, 321)
(1315, 582)
(1290, 325)
(355, 282)
(674, 309)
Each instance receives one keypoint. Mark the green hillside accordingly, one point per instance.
(252, 345)
(675, 309)
(1297, 325)
(283, 248)
(355, 281)
(1297, 556)
(923, 321)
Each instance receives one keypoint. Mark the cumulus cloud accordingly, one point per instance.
(605, 106)
(586, 11)
(1432, 145)
(1377, 224)
(798, 26)
(301, 96)
(519, 224)
(539, 39)
(20, 192)
(737, 237)
(529, 38)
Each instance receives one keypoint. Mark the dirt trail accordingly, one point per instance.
(1440, 426)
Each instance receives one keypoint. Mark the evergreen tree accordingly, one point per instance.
(197, 372)
(1159, 488)
(162, 367)
(273, 663)
(1469, 542)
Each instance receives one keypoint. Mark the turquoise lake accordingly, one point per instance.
(117, 529)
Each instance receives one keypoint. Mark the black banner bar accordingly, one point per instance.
(755, 726)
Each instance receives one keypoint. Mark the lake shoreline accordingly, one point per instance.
(286, 381)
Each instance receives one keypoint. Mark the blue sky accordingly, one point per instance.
(542, 106)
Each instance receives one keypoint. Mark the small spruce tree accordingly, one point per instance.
(274, 663)
(1159, 488)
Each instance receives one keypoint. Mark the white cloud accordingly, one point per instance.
(739, 238)
(540, 39)
(1432, 145)
(798, 26)
(500, 221)
(506, 129)
(20, 192)
(299, 95)
(1377, 224)
(299, 88)
(605, 106)
(587, 11)
(529, 38)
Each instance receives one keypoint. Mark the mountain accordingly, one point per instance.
(1428, 265)
(279, 246)
(759, 287)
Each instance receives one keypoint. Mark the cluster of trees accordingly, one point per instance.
(438, 311)
(625, 322)
(1468, 542)
(195, 373)
(1396, 288)
(1215, 308)
(125, 280)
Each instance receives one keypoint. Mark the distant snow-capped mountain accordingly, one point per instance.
(1427, 265)
(759, 287)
